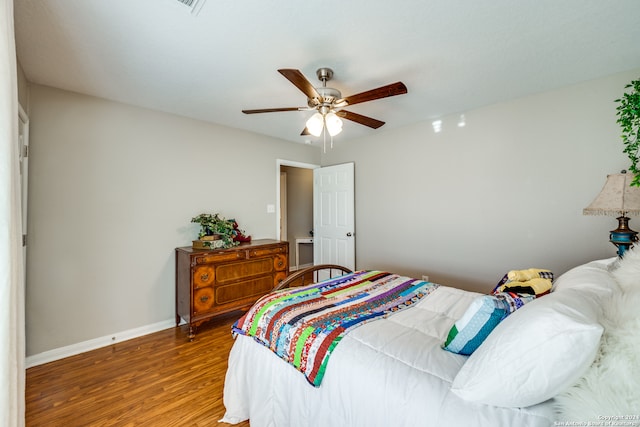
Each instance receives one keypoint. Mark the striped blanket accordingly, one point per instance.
(303, 325)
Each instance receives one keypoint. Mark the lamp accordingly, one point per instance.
(323, 119)
(618, 197)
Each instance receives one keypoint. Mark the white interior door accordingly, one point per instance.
(333, 215)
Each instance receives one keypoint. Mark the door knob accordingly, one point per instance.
(349, 234)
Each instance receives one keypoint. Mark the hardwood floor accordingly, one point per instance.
(157, 380)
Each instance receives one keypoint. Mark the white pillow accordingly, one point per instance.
(535, 353)
(591, 277)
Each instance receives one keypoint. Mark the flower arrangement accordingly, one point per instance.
(216, 225)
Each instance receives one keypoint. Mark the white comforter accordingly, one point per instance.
(391, 372)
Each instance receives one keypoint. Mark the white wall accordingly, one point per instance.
(112, 191)
(507, 191)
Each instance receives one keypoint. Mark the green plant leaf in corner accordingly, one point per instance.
(628, 112)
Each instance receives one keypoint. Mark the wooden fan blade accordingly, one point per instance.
(301, 82)
(273, 110)
(393, 89)
(359, 118)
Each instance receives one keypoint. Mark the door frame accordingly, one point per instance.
(284, 162)
(23, 141)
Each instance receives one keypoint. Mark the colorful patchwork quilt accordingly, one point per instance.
(304, 325)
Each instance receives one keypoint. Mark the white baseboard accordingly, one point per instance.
(81, 347)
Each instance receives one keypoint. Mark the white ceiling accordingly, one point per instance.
(452, 55)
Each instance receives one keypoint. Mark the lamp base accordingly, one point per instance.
(623, 237)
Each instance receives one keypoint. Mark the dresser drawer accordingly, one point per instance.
(279, 262)
(251, 289)
(258, 252)
(203, 275)
(279, 277)
(203, 300)
(220, 257)
(233, 271)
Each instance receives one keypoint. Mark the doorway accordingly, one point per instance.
(294, 207)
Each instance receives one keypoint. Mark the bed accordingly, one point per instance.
(394, 372)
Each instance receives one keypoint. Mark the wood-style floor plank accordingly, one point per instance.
(160, 379)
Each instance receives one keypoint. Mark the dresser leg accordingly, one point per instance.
(192, 333)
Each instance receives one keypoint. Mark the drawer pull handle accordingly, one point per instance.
(204, 298)
(204, 277)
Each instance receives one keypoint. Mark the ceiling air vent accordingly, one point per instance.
(194, 5)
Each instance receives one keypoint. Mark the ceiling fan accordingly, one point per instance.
(329, 103)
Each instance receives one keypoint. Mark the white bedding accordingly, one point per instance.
(391, 372)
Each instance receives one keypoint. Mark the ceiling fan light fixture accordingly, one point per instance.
(327, 101)
(315, 124)
(333, 123)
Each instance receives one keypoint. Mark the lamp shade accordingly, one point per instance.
(617, 197)
(333, 123)
(315, 124)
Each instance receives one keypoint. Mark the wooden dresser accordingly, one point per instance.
(212, 282)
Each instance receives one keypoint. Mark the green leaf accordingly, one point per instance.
(628, 113)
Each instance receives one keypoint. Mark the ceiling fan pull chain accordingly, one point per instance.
(324, 137)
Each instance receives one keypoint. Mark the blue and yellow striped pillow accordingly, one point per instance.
(482, 316)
